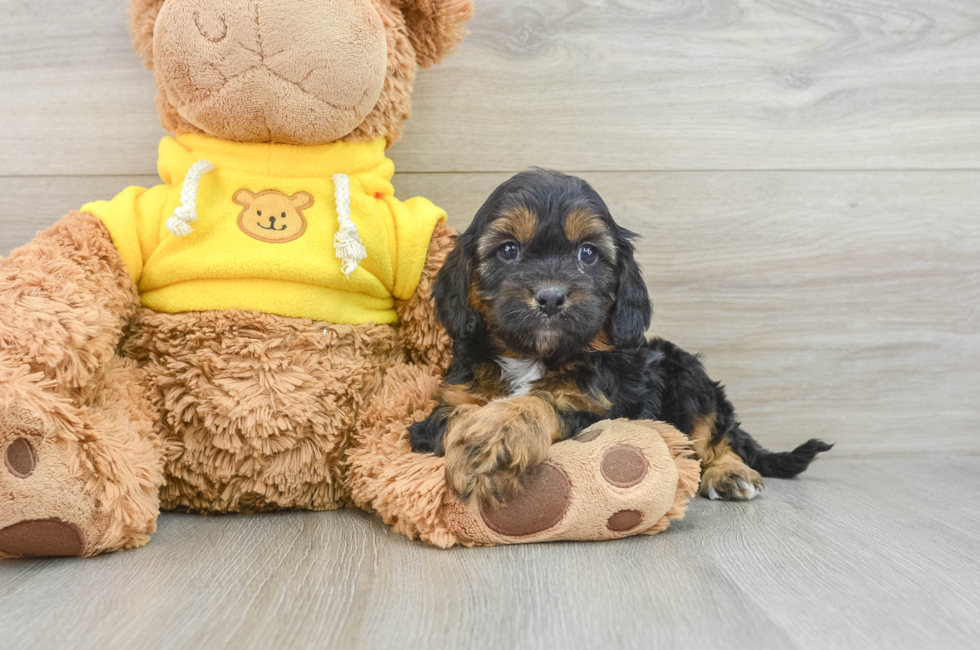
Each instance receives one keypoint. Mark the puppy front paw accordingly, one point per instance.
(731, 483)
(489, 452)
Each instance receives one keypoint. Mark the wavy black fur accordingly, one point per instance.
(636, 378)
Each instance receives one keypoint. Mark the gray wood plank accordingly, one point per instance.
(853, 562)
(838, 305)
(624, 85)
(852, 555)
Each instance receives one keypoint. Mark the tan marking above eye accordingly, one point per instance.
(519, 224)
(582, 227)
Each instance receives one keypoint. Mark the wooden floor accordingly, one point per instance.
(861, 554)
(806, 179)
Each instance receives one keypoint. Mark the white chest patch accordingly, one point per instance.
(520, 374)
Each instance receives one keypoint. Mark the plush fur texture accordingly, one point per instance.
(64, 299)
(409, 491)
(544, 276)
(216, 411)
(118, 410)
(257, 409)
(421, 332)
(434, 27)
(287, 71)
(417, 33)
(99, 458)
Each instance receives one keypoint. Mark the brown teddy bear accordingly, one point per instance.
(256, 333)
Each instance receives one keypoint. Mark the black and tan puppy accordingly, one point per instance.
(547, 311)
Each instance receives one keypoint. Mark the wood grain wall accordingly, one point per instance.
(805, 175)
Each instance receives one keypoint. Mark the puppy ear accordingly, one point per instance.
(630, 316)
(435, 27)
(142, 18)
(451, 293)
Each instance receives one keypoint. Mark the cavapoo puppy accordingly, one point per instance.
(547, 311)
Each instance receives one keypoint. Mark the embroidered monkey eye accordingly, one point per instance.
(283, 215)
(587, 254)
(509, 251)
(258, 212)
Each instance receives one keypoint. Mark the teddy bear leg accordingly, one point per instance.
(617, 478)
(79, 459)
(77, 480)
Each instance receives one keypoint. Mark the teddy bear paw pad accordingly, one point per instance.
(624, 479)
(540, 506)
(19, 458)
(617, 478)
(41, 500)
(42, 537)
(624, 520)
(20, 433)
(624, 466)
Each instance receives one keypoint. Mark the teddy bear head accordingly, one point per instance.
(291, 71)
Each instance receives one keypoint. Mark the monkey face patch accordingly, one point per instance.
(272, 216)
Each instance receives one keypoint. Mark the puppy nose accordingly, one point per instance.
(550, 299)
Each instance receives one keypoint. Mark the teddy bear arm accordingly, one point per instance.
(64, 300)
(617, 478)
(422, 334)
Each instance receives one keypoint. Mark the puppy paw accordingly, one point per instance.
(740, 483)
(490, 452)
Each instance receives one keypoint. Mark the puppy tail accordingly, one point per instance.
(785, 464)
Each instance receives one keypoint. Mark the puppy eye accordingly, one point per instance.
(587, 254)
(509, 251)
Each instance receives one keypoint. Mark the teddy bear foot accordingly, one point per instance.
(44, 508)
(617, 478)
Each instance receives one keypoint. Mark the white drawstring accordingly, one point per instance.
(186, 213)
(347, 244)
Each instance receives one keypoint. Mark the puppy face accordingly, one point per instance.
(545, 277)
(545, 271)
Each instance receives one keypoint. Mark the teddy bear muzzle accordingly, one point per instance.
(286, 71)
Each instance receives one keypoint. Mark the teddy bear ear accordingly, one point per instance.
(435, 27)
(243, 197)
(301, 200)
(142, 18)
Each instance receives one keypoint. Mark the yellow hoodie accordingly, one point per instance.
(308, 232)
